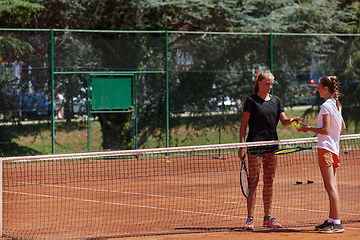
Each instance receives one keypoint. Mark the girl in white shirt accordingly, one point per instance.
(330, 126)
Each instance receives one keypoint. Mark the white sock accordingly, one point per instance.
(336, 221)
(330, 220)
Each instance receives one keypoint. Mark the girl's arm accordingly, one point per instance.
(324, 130)
(343, 127)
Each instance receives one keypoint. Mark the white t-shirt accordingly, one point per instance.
(331, 141)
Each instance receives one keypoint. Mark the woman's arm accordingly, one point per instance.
(242, 132)
(285, 121)
(244, 122)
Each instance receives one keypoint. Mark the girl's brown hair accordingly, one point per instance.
(332, 83)
(260, 77)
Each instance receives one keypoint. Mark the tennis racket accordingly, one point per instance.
(292, 150)
(244, 178)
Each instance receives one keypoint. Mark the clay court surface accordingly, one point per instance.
(352, 231)
(89, 199)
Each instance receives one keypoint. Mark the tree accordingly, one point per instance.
(344, 63)
(223, 63)
(15, 12)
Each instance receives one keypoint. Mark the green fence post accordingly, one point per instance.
(135, 112)
(271, 57)
(271, 54)
(167, 88)
(52, 90)
(88, 95)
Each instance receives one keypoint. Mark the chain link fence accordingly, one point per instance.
(189, 86)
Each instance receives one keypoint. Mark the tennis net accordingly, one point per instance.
(166, 191)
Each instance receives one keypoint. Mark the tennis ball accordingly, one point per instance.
(168, 161)
(293, 123)
(298, 125)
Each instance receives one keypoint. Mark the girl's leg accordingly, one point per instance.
(329, 177)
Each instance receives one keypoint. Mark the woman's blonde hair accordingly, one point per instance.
(332, 83)
(260, 77)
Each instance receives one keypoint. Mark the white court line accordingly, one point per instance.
(141, 206)
(130, 193)
(128, 205)
(133, 205)
(175, 197)
(352, 228)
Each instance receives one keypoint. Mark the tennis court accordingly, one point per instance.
(138, 193)
(352, 232)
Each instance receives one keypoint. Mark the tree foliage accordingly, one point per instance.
(207, 68)
(15, 12)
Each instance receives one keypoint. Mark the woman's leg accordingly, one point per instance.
(269, 168)
(254, 173)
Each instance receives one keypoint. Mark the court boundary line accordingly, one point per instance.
(131, 193)
(140, 206)
(175, 197)
(352, 228)
(124, 204)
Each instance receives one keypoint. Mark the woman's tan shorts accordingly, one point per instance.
(327, 158)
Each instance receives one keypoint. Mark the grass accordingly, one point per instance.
(69, 137)
(186, 131)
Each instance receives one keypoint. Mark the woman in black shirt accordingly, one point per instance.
(262, 112)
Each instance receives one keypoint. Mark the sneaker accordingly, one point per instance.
(333, 228)
(249, 225)
(321, 226)
(271, 223)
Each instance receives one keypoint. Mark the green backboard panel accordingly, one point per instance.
(111, 93)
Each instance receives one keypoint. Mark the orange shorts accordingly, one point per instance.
(327, 158)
